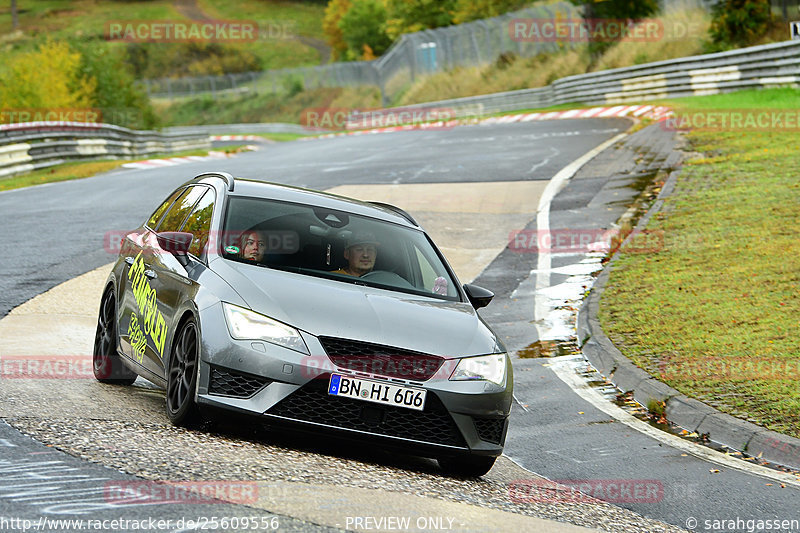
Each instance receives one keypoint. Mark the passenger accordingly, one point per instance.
(361, 252)
(252, 246)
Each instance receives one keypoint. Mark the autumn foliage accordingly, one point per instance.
(50, 77)
(58, 76)
(364, 29)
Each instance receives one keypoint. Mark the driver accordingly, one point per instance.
(361, 252)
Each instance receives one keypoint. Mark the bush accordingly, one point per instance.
(469, 10)
(294, 85)
(738, 23)
(614, 10)
(155, 60)
(50, 77)
(330, 26)
(363, 29)
(120, 99)
(408, 16)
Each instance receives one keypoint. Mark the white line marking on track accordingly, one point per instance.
(543, 260)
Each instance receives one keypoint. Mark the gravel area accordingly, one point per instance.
(164, 452)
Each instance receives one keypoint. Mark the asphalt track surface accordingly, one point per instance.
(53, 233)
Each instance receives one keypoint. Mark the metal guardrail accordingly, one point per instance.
(25, 147)
(33, 145)
(769, 65)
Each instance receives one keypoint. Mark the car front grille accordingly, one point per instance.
(226, 382)
(312, 403)
(490, 429)
(381, 360)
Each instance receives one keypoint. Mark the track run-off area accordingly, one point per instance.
(470, 187)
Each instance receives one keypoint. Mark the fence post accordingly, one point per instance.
(474, 40)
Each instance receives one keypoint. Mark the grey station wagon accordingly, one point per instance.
(309, 309)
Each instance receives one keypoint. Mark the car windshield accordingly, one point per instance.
(332, 244)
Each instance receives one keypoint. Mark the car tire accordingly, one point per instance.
(182, 376)
(107, 364)
(466, 466)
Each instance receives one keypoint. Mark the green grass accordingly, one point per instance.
(65, 172)
(264, 107)
(87, 19)
(782, 98)
(722, 295)
(302, 18)
(60, 19)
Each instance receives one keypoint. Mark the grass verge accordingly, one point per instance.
(714, 310)
(282, 23)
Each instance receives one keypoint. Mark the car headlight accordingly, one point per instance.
(485, 367)
(244, 324)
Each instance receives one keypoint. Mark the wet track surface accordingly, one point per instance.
(68, 220)
(557, 434)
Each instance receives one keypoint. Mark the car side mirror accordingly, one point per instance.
(478, 296)
(177, 243)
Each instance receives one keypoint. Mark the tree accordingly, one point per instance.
(613, 10)
(120, 99)
(48, 78)
(363, 28)
(738, 22)
(330, 26)
(618, 9)
(408, 16)
(469, 10)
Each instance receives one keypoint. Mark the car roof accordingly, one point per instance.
(243, 187)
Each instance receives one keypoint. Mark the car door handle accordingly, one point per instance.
(129, 261)
(150, 274)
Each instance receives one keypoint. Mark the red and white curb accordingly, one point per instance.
(640, 111)
(172, 161)
(657, 113)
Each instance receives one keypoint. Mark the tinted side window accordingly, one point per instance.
(199, 223)
(152, 222)
(174, 218)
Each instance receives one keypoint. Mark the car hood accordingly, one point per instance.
(325, 307)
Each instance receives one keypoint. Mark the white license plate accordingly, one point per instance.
(377, 392)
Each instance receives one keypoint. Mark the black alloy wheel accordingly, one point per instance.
(106, 362)
(182, 376)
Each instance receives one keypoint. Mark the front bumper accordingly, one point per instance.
(281, 385)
